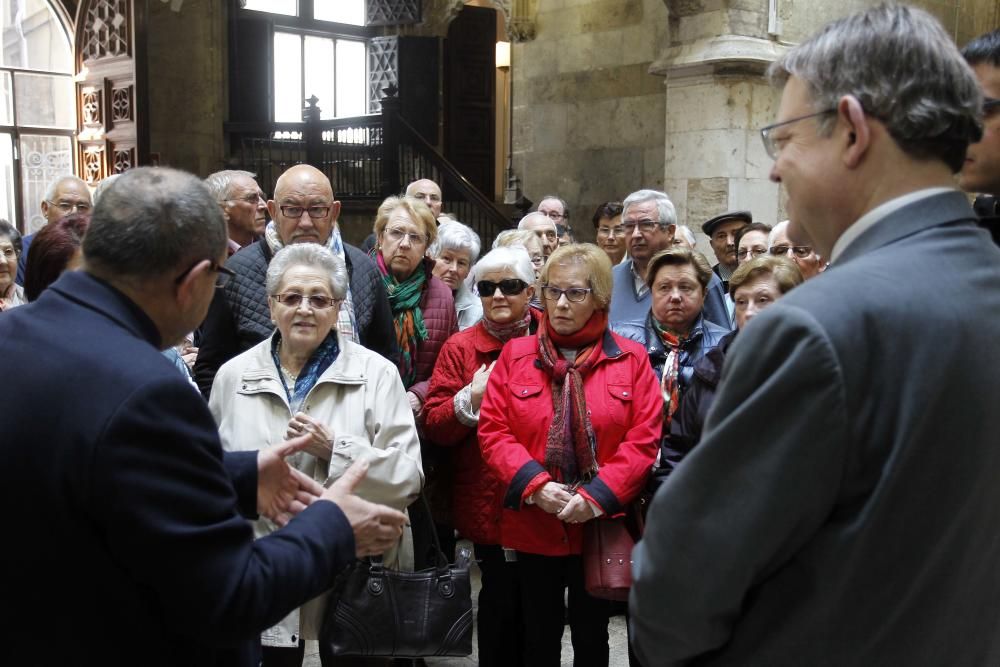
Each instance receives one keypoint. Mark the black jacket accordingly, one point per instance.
(126, 539)
(239, 316)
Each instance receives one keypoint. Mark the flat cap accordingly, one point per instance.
(710, 226)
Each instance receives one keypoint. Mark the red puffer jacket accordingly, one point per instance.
(438, 307)
(477, 493)
(624, 403)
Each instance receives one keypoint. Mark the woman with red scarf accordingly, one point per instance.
(569, 424)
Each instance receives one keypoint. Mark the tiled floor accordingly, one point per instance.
(616, 630)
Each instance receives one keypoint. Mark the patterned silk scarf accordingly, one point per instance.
(571, 443)
(668, 377)
(404, 298)
(320, 360)
(504, 332)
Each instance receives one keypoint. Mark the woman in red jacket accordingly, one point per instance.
(504, 279)
(569, 424)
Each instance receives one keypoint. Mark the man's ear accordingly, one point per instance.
(856, 131)
(186, 290)
(45, 209)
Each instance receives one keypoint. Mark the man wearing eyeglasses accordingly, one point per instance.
(557, 210)
(243, 206)
(842, 506)
(428, 192)
(303, 211)
(778, 244)
(67, 195)
(981, 171)
(649, 221)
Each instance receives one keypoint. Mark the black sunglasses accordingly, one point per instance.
(508, 286)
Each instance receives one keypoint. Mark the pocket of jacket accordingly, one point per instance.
(620, 403)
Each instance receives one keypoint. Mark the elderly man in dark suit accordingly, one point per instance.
(127, 540)
(843, 506)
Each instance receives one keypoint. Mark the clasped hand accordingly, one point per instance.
(320, 443)
(554, 498)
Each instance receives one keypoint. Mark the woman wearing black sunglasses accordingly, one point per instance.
(504, 280)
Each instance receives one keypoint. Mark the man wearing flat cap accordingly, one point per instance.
(721, 231)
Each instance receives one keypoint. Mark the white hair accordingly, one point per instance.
(688, 235)
(453, 235)
(312, 255)
(514, 258)
(773, 234)
(665, 207)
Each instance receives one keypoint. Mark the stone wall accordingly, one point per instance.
(588, 115)
(187, 84)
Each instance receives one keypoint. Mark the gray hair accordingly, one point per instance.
(9, 232)
(519, 238)
(527, 218)
(905, 71)
(152, 221)
(312, 255)
(983, 49)
(665, 207)
(773, 234)
(50, 193)
(688, 235)
(562, 202)
(103, 185)
(453, 235)
(219, 182)
(514, 258)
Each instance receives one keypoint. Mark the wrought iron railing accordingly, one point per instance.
(366, 158)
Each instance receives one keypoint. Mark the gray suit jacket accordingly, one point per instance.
(843, 507)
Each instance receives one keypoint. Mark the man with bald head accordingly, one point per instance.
(544, 228)
(428, 192)
(67, 195)
(303, 211)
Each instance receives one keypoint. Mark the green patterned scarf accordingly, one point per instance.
(404, 298)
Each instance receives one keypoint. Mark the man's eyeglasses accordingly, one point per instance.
(425, 197)
(254, 198)
(750, 253)
(295, 212)
(771, 145)
(617, 230)
(645, 226)
(553, 215)
(800, 251)
(574, 294)
(70, 207)
(396, 235)
(221, 280)
(508, 287)
(294, 299)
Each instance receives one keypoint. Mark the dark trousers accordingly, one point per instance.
(283, 656)
(543, 582)
(499, 636)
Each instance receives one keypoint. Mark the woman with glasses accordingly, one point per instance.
(568, 426)
(608, 228)
(454, 252)
(755, 285)
(423, 312)
(751, 242)
(11, 294)
(308, 379)
(505, 281)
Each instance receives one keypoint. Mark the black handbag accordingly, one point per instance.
(376, 611)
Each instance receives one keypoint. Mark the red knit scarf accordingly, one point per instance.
(571, 442)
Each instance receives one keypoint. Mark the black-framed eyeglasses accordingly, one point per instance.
(70, 207)
(645, 226)
(315, 301)
(295, 212)
(507, 286)
(990, 104)
(767, 133)
(574, 294)
(800, 251)
(221, 279)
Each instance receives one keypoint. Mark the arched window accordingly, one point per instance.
(37, 107)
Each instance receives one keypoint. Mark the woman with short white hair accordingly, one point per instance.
(454, 252)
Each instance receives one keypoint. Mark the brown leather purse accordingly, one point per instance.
(607, 554)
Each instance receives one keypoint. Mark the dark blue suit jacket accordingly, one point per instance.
(125, 542)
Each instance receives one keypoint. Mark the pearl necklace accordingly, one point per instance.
(291, 376)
